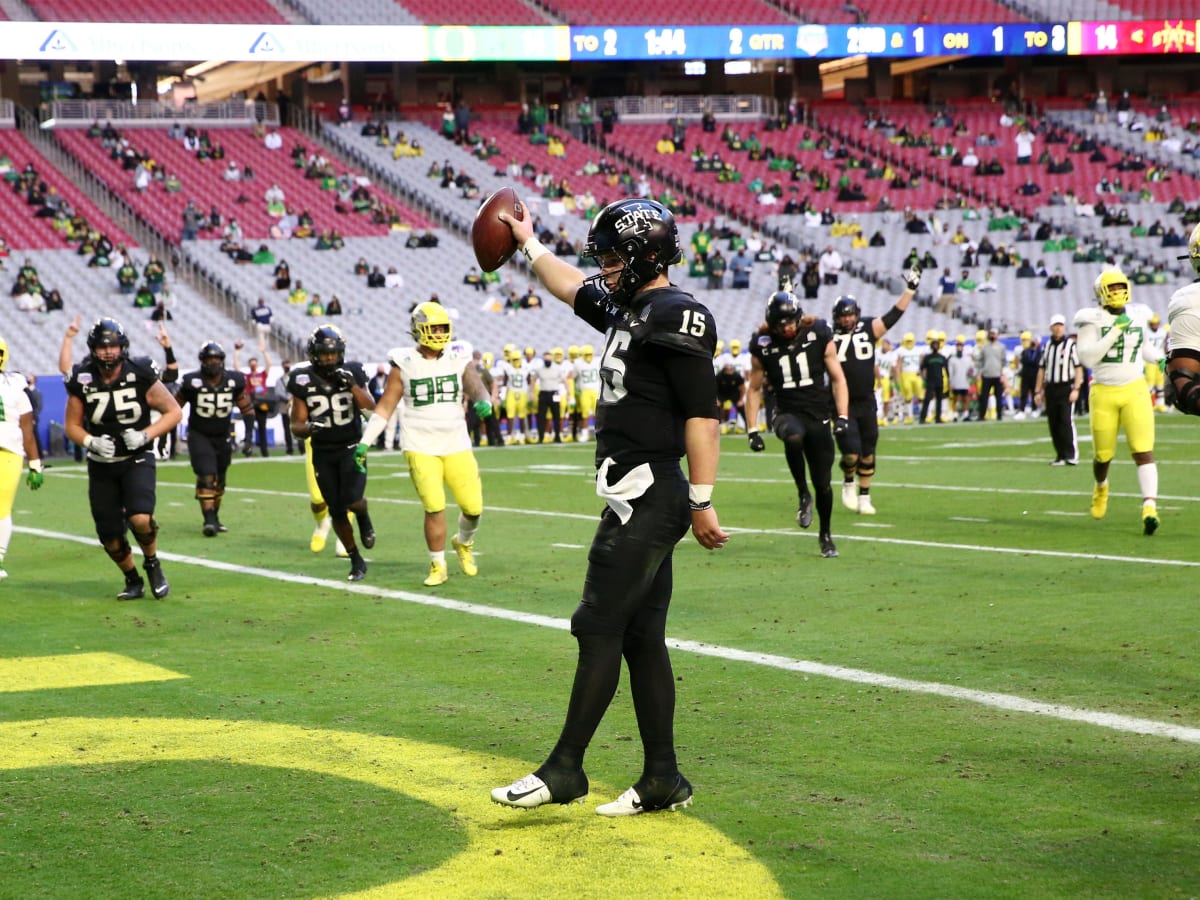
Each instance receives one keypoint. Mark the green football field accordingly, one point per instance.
(988, 694)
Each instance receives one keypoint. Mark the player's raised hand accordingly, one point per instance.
(912, 278)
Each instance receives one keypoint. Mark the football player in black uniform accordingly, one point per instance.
(212, 392)
(330, 394)
(657, 403)
(109, 399)
(856, 338)
(796, 355)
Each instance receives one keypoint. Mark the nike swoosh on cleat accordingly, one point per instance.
(515, 797)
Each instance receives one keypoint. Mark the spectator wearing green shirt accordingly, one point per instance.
(966, 284)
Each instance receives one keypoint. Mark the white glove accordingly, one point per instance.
(912, 278)
(134, 439)
(101, 445)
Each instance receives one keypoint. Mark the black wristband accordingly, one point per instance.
(699, 507)
(170, 355)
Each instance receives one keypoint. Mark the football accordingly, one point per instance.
(492, 239)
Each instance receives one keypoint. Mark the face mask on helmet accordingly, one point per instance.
(104, 334)
(431, 326)
(1112, 290)
(633, 241)
(845, 313)
(1194, 250)
(326, 349)
(783, 314)
(212, 359)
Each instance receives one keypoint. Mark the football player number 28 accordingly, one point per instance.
(341, 407)
(124, 402)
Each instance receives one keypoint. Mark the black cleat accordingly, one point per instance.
(358, 569)
(210, 529)
(158, 581)
(367, 536)
(656, 794)
(828, 550)
(221, 529)
(805, 513)
(135, 588)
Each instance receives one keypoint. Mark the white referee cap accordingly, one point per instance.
(1058, 320)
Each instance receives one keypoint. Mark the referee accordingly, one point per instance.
(1058, 381)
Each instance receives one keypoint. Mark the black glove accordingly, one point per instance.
(342, 378)
(756, 442)
(841, 425)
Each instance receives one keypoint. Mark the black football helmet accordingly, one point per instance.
(212, 359)
(782, 309)
(845, 305)
(324, 340)
(643, 234)
(108, 333)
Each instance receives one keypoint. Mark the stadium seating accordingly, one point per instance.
(17, 223)
(227, 11)
(204, 182)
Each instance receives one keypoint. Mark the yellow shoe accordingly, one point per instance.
(317, 542)
(1149, 517)
(466, 558)
(1100, 501)
(908, 420)
(438, 574)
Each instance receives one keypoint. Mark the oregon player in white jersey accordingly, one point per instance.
(1183, 317)
(587, 388)
(908, 364)
(17, 442)
(516, 399)
(1112, 344)
(1156, 338)
(432, 382)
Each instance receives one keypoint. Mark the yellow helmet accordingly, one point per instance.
(931, 335)
(735, 346)
(587, 351)
(509, 350)
(530, 353)
(909, 339)
(1154, 320)
(981, 336)
(572, 352)
(960, 339)
(720, 347)
(941, 336)
(1026, 337)
(557, 354)
(489, 360)
(431, 326)
(1112, 290)
(3, 354)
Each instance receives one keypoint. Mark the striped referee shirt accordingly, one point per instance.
(1059, 362)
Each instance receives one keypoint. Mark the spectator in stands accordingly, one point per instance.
(969, 159)
(786, 273)
(949, 287)
(298, 295)
(966, 284)
(462, 123)
(1057, 281)
(376, 278)
(830, 265)
(1030, 188)
(740, 265)
(161, 313)
(334, 307)
(344, 112)
(272, 140)
(987, 286)
(192, 221)
(127, 278)
(144, 298)
(263, 256)
(608, 119)
(1100, 108)
(1026, 269)
(716, 270)
(313, 307)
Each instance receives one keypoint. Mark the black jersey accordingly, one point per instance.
(644, 402)
(329, 404)
(211, 404)
(111, 408)
(729, 385)
(795, 369)
(856, 353)
(933, 366)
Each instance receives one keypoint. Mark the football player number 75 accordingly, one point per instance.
(125, 403)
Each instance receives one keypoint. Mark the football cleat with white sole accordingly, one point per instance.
(1099, 500)
(135, 588)
(466, 557)
(849, 495)
(660, 794)
(828, 550)
(438, 574)
(805, 513)
(865, 508)
(158, 581)
(1149, 517)
(541, 787)
(358, 569)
